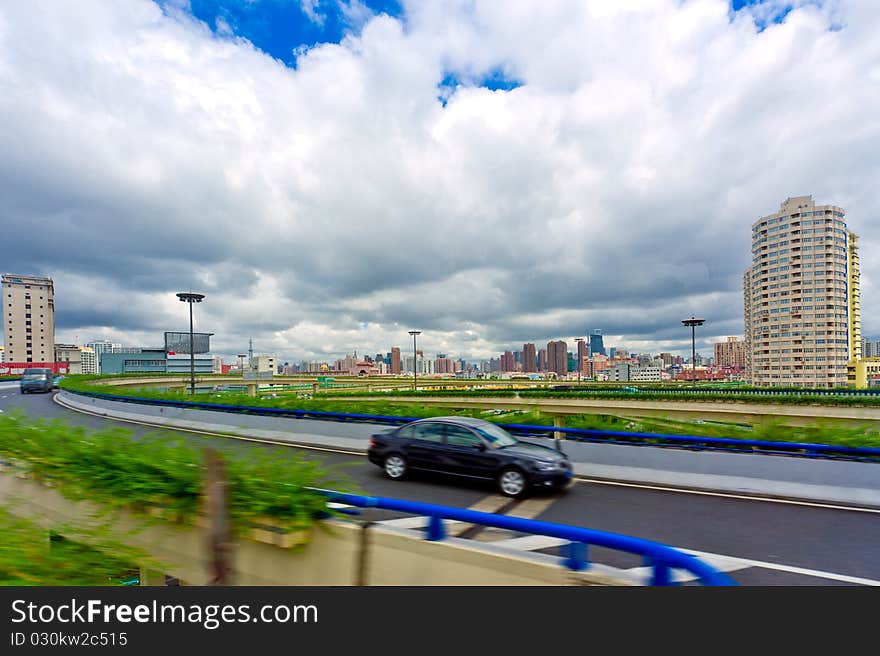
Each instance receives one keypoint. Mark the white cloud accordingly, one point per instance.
(334, 206)
(310, 9)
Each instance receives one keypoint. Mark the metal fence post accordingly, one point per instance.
(363, 556)
(577, 556)
(662, 574)
(436, 529)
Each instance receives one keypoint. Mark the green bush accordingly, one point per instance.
(111, 467)
(28, 557)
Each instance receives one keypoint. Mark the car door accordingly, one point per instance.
(424, 449)
(468, 453)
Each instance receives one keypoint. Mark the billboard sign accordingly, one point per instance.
(178, 343)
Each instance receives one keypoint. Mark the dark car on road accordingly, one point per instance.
(470, 448)
(36, 380)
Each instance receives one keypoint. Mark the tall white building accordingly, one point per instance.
(28, 318)
(100, 346)
(425, 365)
(801, 305)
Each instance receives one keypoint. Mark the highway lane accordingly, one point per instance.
(772, 475)
(772, 543)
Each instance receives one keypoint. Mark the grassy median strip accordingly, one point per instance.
(376, 403)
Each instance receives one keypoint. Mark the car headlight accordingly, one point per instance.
(546, 466)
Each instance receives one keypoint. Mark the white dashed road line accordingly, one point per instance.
(719, 561)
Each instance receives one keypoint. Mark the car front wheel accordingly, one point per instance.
(395, 466)
(512, 482)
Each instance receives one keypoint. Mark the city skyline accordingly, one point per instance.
(463, 169)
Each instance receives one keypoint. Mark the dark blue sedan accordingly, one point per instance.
(470, 448)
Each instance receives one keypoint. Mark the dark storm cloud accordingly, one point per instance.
(334, 206)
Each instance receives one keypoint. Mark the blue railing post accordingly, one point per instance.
(577, 559)
(662, 574)
(436, 529)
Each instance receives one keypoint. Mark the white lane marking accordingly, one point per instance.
(718, 561)
(645, 486)
(727, 495)
(734, 563)
(407, 522)
(419, 522)
(528, 509)
(747, 562)
(532, 542)
(490, 504)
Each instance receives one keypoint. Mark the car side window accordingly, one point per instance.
(458, 436)
(428, 432)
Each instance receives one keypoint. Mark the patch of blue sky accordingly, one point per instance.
(282, 28)
(496, 80)
(769, 12)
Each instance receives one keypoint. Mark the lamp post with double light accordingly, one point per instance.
(693, 322)
(189, 297)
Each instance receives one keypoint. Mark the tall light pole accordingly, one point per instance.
(415, 360)
(693, 322)
(187, 297)
(579, 340)
(241, 357)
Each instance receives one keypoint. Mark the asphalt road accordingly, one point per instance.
(759, 542)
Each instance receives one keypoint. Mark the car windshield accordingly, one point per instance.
(34, 377)
(497, 436)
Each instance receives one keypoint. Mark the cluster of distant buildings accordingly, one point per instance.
(802, 317)
(591, 361)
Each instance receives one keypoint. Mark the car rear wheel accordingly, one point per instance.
(512, 482)
(395, 466)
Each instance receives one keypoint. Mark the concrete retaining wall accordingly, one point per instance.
(336, 552)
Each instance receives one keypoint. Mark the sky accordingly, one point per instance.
(334, 173)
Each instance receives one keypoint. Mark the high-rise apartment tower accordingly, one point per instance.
(801, 297)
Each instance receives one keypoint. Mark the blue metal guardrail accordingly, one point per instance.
(693, 442)
(661, 558)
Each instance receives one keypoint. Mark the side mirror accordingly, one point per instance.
(480, 446)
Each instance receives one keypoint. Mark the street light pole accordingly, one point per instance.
(187, 297)
(415, 360)
(693, 322)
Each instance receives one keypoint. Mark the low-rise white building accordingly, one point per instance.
(264, 363)
(646, 374)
